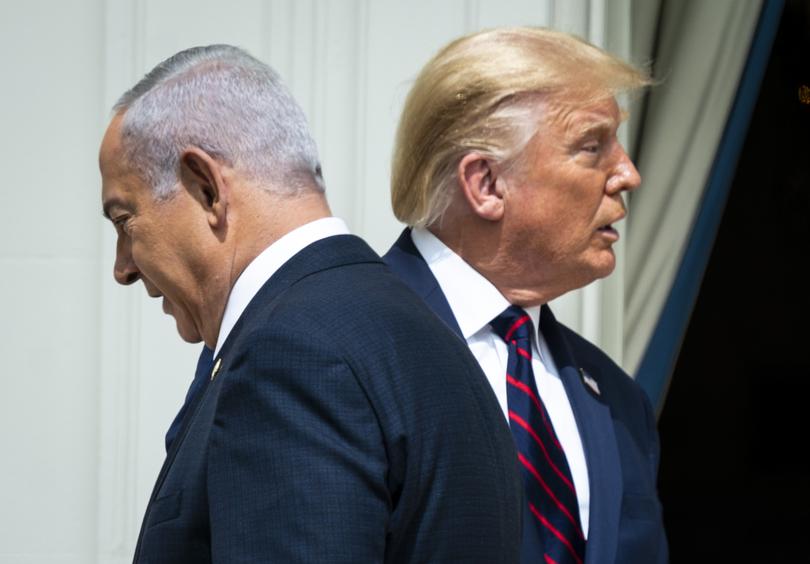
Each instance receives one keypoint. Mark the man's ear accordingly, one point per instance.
(479, 184)
(202, 177)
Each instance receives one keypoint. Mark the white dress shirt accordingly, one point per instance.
(267, 263)
(475, 302)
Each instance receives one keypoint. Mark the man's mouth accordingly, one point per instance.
(608, 232)
(608, 228)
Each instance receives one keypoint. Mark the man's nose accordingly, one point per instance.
(624, 176)
(124, 271)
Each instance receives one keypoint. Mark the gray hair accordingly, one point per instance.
(229, 104)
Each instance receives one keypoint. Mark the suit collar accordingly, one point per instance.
(405, 261)
(262, 267)
(473, 299)
(325, 254)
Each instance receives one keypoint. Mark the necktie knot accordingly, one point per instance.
(514, 324)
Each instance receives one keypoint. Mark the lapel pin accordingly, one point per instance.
(589, 381)
(215, 371)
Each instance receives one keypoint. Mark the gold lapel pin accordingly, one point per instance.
(215, 371)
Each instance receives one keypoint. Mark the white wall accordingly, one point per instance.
(50, 120)
(92, 373)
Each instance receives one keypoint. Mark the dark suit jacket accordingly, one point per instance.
(617, 428)
(346, 424)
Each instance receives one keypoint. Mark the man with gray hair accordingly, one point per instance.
(509, 173)
(340, 420)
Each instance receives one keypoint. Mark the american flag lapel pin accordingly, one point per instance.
(589, 381)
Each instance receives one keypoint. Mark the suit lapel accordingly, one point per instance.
(595, 425)
(171, 455)
(405, 261)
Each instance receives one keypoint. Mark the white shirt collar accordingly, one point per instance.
(474, 300)
(267, 263)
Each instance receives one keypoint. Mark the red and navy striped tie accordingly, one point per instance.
(549, 487)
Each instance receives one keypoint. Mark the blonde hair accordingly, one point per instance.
(481, 93)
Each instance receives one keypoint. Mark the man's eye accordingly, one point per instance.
(120, 222)
(591, 147)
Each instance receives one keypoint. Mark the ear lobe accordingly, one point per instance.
(481, 187)
(201, 175)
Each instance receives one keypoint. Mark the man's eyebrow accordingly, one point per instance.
(593, 126)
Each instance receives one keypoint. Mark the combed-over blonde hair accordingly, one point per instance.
(479, 94)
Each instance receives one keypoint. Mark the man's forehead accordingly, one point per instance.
(571, 121)
(110, 151)
(580, 117)
(118, 182)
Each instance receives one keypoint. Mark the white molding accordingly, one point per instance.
(571, 16)
(277, 16)
(358, 222)
(319, 118)
(472, 15)
(341, 73)
(597, 23)
(119, 324)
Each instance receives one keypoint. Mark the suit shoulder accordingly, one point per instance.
(419, 386)
(363, 315)
(362, 296)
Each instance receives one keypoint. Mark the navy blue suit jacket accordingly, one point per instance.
(617, 428)
(345, 424)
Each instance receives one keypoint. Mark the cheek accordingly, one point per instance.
(580, 214)
(566, 230)
(563, 223)
(572, 202)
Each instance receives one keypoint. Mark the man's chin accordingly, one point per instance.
(188, 332)
(603, 265)
(191, 338)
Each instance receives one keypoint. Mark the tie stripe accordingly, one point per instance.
(557, 534)
(519, 420)
(530, 467)
(525, 389)
(515, 326)
(548, 485)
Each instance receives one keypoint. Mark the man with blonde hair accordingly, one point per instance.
(508, 170)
